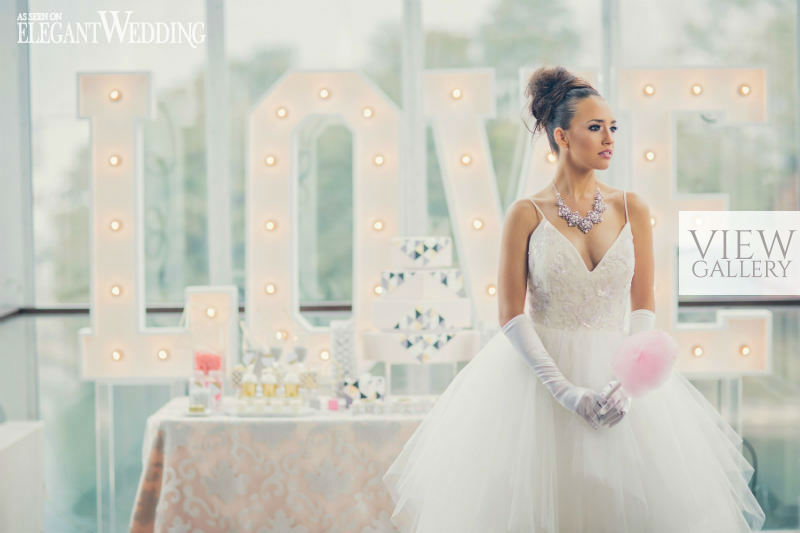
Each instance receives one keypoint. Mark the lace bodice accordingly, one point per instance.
(564, 293)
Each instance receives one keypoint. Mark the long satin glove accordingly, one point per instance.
(619, 403)
(584, 402)
(642, 320)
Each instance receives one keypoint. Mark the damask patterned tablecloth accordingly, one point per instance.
(317, 473)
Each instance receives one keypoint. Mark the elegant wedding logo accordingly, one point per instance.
(738, 253)
(111, 27)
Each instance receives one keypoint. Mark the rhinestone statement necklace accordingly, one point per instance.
(574, 218)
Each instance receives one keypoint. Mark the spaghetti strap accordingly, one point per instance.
(625, 200)
(537, 207)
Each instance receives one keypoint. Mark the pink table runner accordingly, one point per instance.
(319, 473)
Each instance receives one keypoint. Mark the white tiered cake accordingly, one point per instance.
(423, 313)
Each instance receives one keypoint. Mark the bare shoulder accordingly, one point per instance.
(638, 210)
(637, 206)
(523, 215)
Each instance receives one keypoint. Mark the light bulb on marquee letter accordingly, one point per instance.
(744, 349)
(211, 312)
(459, 103)
(653, 99)
(466, 160)
(744, 89)
(270, 160)
(270, 288)
(374, 122)
(117, 317)
(270, 225)
(281, 112)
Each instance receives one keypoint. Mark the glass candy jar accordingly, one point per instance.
(209, 373)
(199, 398)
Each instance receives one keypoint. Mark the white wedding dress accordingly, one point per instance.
(497, 453)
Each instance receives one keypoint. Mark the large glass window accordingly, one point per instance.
(755, 164)
(174, 145)
(510, 37)
(264, 41)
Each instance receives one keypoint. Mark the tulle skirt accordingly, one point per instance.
(497, 453)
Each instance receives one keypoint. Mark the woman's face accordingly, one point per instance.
(590, 133)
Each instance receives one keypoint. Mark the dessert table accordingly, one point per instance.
(320, 472)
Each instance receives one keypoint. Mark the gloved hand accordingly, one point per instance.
(618, 403)
(584, 402)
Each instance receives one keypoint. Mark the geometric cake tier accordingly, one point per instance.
(422, 313)
(455, 313)
(423, 347)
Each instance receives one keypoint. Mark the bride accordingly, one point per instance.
(526, 437)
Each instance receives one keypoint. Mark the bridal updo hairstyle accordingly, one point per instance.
(553, 93)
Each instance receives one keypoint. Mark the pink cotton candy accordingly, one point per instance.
(644, 360)
(206, 362)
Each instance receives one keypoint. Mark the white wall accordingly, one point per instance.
(17, 350)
